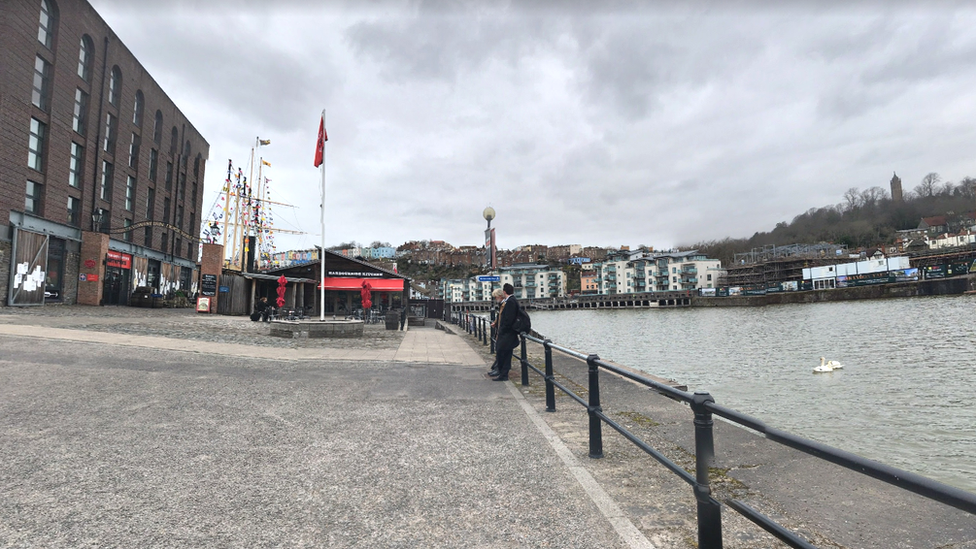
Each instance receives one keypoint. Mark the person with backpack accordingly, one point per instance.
(498, 295)
(508, 337)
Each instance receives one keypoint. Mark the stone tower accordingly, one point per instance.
(896, 195)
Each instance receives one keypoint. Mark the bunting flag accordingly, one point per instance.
(320, 144)
(264, 141)
(266, 163)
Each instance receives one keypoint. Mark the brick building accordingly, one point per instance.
(101, 175)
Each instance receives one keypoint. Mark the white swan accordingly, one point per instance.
(825, 366)
(834, 364)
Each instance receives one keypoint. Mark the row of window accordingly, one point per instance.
(41, 98)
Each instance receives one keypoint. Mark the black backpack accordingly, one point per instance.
(522, 322)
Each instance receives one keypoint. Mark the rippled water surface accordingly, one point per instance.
(906, 395)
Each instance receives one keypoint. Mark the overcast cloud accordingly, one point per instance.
(658, 124)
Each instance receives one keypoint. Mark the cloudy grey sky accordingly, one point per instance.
(648, 123)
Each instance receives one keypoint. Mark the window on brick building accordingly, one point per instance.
(32, 201)
(134, 151)
(111, 127)
(169, 176)
(108, 173)
(76, 165)
(174, 139)
(41, 95)
(164, 241)
(35, 145)
(81, 112)
(45, 30)
(130, 193)
(85, 51)
(128, 234)
(158, 128)
(115, 86)
(153, 164)
(74, 210)
(166, 210)
(137, 109)
(147, 238)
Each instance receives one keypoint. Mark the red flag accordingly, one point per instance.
(320, 145)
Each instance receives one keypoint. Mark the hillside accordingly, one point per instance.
(864, 219)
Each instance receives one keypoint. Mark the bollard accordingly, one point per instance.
(596, 425)
(484, 332)
(709, 511)
(525, 362)
(550, 389)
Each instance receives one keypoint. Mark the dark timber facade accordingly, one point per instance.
(101, 175)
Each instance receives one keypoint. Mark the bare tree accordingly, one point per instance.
(870, 197)
(853, 198)
(967, 188)
(929, 185)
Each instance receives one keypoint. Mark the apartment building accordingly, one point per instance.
(636, 272)
(100, 173)
(533, 281)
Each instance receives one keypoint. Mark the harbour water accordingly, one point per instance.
(905, 397)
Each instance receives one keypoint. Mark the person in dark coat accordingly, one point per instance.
(403, 317)
(262, 310)
(498, 295)
(508, 338)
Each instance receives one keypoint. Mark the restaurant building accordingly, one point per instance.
(101, 175)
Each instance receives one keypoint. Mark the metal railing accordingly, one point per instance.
(478, 326)
(703, 407)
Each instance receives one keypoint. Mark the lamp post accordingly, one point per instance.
(97, 217)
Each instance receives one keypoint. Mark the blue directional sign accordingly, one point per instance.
(487, 278)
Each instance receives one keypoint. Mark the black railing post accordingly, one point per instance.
(709, 511)
(596, 425)
(524, 361)
(550, 389)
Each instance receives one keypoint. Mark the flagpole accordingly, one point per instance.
(322, 219)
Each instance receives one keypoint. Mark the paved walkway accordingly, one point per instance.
(128, 427)
(114, 436)
(428, 346)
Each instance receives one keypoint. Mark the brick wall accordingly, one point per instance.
(19, 48)
(94, 246)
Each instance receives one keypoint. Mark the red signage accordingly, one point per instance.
(89, 263)
(118, 259)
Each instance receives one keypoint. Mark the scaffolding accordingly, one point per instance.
(774, 264)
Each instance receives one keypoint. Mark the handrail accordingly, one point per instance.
(704, 406)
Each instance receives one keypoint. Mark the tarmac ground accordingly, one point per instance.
(124, 427)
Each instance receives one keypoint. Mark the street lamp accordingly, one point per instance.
(97, 217)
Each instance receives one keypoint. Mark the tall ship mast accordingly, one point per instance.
(244, 223)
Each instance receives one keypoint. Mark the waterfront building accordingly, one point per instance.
(454, 290)
(534, 281)
(627, 272)
(588, 277)
(100, 172)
